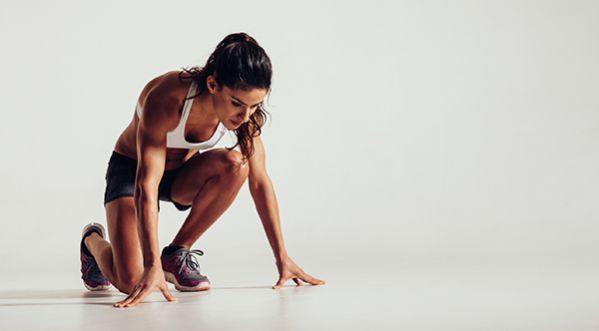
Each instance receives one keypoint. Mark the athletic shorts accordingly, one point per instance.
(120, 180)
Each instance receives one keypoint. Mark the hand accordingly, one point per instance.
(289, 270)
(152, 278)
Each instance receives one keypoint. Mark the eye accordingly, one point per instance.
(236, 104)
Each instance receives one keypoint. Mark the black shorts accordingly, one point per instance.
(120, 180)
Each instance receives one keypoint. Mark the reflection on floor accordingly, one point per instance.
(410, 298)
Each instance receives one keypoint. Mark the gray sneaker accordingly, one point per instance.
(92, 277)
(182, 269)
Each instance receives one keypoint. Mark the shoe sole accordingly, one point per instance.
(97, 288)
(94, 225)
(203, 286)
(100, 227)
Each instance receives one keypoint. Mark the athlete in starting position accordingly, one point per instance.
(158, 157)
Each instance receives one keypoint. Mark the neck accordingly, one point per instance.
(206, 114)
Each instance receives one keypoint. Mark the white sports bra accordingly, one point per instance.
(176, 137)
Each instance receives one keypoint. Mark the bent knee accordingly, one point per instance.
(234, 166)
(126, 286)
(126, 283)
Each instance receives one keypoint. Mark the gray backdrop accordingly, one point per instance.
(403, 133)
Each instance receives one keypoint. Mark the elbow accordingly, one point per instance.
(258, 184)
(145, 191)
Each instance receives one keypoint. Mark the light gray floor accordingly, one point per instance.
(429, 295)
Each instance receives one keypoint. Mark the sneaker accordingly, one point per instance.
(90, 272)
(182, 269)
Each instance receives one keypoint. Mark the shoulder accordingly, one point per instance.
(167, 86)
(163, 97)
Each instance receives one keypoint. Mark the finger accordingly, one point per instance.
(296, 280)
(132, 297)
(281, 282)
(167, 294)
(140, 296)
(311, 280)
(131, 294)
(128, 298)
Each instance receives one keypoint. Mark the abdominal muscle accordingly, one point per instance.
(127, 145)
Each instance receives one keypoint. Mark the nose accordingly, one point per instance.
(245, 116)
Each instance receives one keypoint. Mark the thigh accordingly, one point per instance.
(120, 177)
(197, 170)
(126, 248)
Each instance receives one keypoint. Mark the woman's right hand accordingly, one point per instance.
(152, 279)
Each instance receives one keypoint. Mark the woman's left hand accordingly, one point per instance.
(289, 270)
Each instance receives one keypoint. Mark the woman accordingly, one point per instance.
(157, 158)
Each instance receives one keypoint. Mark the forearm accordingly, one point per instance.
(146, 206)
(268, 210)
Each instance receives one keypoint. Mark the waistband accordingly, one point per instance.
(121, 159)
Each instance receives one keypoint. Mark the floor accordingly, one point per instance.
(423, 296)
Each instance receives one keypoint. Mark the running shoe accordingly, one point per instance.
(90, 272)
(182, 269)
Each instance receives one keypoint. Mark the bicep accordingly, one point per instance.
(151, 143)
(151, 154)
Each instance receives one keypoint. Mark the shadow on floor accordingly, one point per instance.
(58, 297)
(82, 296)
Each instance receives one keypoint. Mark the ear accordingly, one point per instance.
(211, 84)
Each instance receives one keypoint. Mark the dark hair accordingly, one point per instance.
(238, 62)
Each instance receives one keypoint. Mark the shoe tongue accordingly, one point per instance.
(170, 249)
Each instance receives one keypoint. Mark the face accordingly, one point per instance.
(234, 107)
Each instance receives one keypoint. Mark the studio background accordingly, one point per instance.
(405, 135)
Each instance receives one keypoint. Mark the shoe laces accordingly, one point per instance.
(189, 260)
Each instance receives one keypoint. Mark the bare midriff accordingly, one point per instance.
(127, 145)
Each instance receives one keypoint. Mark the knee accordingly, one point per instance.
(233, 167)
(126, 283)
(125, 287)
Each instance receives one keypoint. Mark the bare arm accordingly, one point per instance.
(265, 200)
(151, 158)
(263, 193)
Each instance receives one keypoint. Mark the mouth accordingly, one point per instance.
(236, 123)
